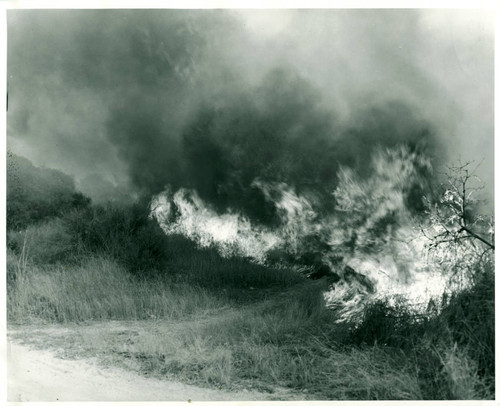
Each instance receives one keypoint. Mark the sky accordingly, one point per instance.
(214, 99)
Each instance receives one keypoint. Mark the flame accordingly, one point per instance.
(401, 269)
(185, 213)
(391, 263)
(296, 214)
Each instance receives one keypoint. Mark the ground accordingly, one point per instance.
(55, 363)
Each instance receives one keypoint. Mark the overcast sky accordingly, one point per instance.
(103, 92)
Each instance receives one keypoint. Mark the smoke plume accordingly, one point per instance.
(212, 100)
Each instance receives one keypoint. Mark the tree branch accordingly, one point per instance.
(473, 234)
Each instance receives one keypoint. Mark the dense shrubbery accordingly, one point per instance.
(124, 234)
(128, 236)
(470, 318)
(134, 240)
(45, 243)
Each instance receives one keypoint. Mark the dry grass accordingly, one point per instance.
(193, 336)
(461, 373)
(97, 289)
(184, 351)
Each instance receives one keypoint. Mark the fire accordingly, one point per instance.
(296, 213)
(400, 270)
(403, 270)
(185, 213)
(381, 255)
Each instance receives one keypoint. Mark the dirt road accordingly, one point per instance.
(37, 375)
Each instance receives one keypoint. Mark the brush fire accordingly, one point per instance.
(297, 202)
(366, 239)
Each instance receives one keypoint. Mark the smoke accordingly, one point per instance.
(280, 132)
(101, 91)
(212, 100)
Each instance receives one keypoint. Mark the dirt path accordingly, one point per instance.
(37, 375)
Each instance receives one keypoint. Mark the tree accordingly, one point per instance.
(455, 215)
(459, 236)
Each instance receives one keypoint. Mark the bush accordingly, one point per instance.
(45, 243)
(389, 324)
(470, 317)
(206, 267)
(137, 242)
(125, 234)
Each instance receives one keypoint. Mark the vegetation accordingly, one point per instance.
(35, 194)
(452, 348)
(226, 322)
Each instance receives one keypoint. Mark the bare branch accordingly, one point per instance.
(478, 237)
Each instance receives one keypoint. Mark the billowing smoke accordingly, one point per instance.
(280, 134)
(185, 98)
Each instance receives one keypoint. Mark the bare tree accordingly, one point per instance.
(456, 214)
(460, 236)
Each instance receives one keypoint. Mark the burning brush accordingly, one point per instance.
(365, 246)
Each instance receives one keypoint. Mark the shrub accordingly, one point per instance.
(123, 233)
(389, 324)
(470, 317)
(45, 243)
(207, 268)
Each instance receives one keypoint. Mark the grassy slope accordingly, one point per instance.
(228, 323)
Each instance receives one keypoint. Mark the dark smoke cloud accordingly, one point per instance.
(281, 133)
(214, 100)
(74, 74)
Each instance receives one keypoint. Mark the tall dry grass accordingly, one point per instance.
(97, 289)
